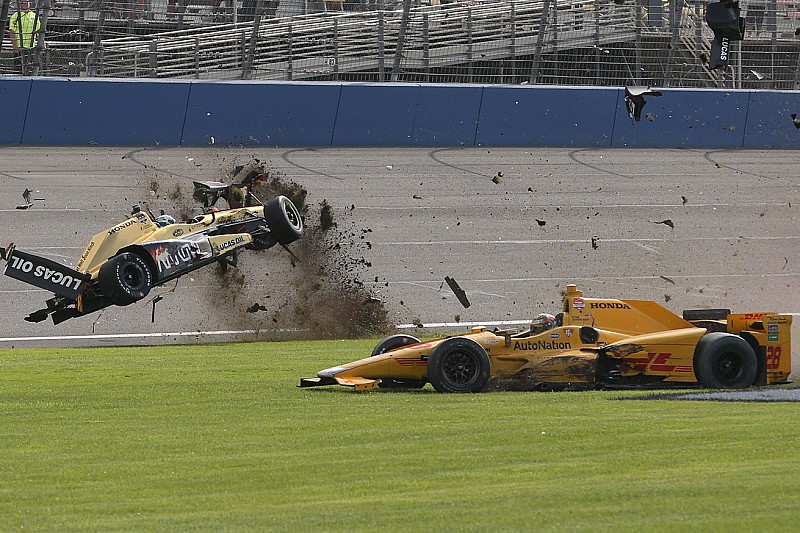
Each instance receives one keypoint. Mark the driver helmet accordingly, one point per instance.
(542, 322)
(164, 220)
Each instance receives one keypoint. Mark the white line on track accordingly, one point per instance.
(424, 325)
(129, 335)
(584, 241)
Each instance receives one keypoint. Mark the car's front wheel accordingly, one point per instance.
(125, 278)
(459, 364)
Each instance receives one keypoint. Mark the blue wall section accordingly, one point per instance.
(544, 116)
(685, 118)
(261, 114)
(769, 120)
(118, 112)
(447, 115)
(14, 94)
(138, 112)
(376, 115)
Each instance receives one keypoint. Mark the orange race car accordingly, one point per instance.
(593, 342)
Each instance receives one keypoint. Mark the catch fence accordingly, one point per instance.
(581, 42)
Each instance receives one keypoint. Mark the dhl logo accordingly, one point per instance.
(655, 362)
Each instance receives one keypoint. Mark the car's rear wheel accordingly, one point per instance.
(459, 364)
(125, 278)
(392, 342)
(725, 361)
(283, 219)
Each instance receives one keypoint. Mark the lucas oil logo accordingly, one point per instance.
(227, 245)
(44, 273)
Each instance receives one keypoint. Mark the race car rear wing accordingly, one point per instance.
(43, 273)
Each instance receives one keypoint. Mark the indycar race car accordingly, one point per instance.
(120, 265)
(593, 343)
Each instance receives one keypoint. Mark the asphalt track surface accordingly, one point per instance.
(512, 226)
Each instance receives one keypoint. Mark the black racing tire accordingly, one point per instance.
(125, 278)
(393, 341)
(459, 364)
(283, 219)
(725, 361)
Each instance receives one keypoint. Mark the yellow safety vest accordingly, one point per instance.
(25, 25)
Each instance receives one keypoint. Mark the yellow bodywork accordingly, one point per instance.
(639, 338)
(140, 228)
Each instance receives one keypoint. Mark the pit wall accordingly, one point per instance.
(63, 111)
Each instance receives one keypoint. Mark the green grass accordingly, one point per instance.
(218, 438)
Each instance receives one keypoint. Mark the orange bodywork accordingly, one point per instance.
(599, 341)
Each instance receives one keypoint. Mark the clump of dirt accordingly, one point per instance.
(313, 290)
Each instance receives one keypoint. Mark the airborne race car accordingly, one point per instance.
(596, 342)
(120, 265)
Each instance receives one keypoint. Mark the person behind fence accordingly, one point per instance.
(23, 29)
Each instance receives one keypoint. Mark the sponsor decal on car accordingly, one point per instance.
(85, 255)
(555, 335)
(119, 227)
(772, 331)
(578, 303)
(177, 233)
(608, 305)
(541, 345)
(45, 274)
(229, 244)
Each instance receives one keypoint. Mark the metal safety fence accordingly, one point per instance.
(581, 42)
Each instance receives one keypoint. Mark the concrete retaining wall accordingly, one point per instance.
(62, 111)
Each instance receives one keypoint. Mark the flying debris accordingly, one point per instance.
(256, 307)
(541, 222)
(497, 178)
(725, 20)
(26, 195)
(595, 240)
(666, 222)
(796, 121)
(458, 291)
(635, 102)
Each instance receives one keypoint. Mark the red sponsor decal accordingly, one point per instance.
(773, 357)
(410, 361)
(657, 362)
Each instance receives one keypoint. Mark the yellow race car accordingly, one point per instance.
(593, 342)
(121, 264)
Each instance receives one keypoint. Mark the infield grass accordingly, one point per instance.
(218, 438)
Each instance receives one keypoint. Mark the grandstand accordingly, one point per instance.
(581, 42)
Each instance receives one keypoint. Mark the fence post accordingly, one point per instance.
(381, 65)
(152, 58)
(247, 68)
(196, 57)
(426, 47)
(401, 37)
(537, 54)
(37, 55)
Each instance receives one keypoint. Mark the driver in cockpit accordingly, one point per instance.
(541, 323)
